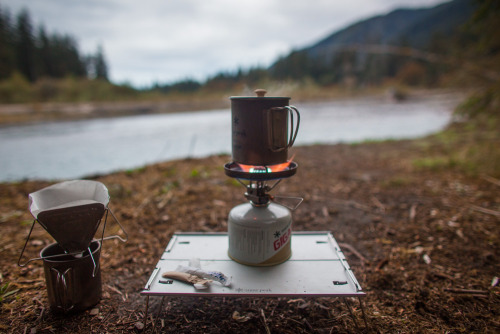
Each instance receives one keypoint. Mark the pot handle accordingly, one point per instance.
(294, 130)
(61, 290)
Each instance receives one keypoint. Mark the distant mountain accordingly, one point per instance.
(416, 28)
(413, 27)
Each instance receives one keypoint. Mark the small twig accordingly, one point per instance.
(381, 264)
(378, 203)
(478, 295)
(308, 325)
(268, 331)
(484, 210)
(491, 179)
(443, 275)
(346, 302)
(39, 302)
(117, 291)
(355, 252)
(272, 312)
(6, 247)
(413, 212)
(352, 203)
(144, 202)
(30, 281)
(467, 291)
(126, 323)
(40, 316)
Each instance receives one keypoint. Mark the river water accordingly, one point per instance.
(67, 150)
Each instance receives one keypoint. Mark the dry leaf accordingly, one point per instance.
(495, 281)
(241, 318)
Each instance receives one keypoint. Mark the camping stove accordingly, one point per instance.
(259, 231)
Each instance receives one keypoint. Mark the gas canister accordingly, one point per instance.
(260, 235)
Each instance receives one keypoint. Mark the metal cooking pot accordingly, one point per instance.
(73, 283)
(260, 134)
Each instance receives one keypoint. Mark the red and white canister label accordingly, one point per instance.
(259, 245)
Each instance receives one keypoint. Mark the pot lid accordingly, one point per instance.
(261, 95)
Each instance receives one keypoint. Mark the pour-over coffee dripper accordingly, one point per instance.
(70, 212)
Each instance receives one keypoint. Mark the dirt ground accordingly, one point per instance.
(423, 243)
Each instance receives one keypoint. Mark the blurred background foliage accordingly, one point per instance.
(39, 66)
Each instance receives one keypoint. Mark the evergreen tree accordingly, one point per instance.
(7, 55)
(66, 57)
(25, 46)
(44, 54)
(100, 66)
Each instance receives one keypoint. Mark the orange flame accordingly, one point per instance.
(280, 167)
(270, 168)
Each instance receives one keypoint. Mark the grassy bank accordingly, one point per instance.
(472, 143)
(71, 98)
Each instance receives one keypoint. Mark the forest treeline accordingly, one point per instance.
(40, 66)
(35, 53)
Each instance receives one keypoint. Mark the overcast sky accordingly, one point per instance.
(147, 41)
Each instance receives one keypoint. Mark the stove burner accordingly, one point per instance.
(259, 173)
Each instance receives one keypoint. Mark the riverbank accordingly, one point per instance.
(420, 232)
(16, 114)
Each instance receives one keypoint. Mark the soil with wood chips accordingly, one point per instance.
(422, 241)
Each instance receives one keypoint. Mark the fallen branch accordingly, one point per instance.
(491, 179)
(268, 331)
(484, 210)
(355, 252)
